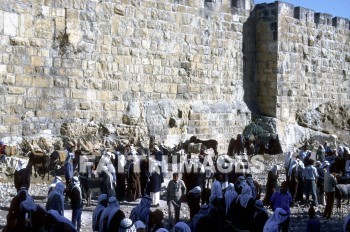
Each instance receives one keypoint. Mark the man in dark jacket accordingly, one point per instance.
(76, 203)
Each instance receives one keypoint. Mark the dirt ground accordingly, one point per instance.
(39, 189)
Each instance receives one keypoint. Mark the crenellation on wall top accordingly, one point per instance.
(323, 18)
(341, 23)
(303, 14)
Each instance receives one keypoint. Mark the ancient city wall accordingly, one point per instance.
(158, 67)
(168, 68)
(303, 56)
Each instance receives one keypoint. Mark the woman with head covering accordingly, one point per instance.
(142, 211)
(193, 200)
(162, 230)
(56, 199)
(230, 196)
(15, 217)
(140, 226)
(57, 223)
(112, 204)
(254, 189)
(37, 214)
(273, 223)
(245, 207)
(203, 213)
(271, 183)
(260, 217)
(52, 186)
(102, 204)
(239, 184)
(181, 227)
(126, 225)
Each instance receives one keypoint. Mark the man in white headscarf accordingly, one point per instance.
(273, 223)
(106, 161)
(230, 196)
(107, 185)
(245, 206)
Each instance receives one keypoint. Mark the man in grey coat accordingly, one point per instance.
(175, 190)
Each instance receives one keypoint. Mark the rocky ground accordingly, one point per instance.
(39, 191)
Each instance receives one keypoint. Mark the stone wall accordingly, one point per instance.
(303, 57)
(144, 64)
(168, 68)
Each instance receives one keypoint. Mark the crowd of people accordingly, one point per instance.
(227, 202)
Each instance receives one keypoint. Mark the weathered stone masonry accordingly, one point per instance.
(170, 68)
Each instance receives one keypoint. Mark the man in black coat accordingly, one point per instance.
(76, 203)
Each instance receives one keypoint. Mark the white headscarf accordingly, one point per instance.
(196, 190)
(105, 169)
(275, 220)
(245, 196)
(230, 195)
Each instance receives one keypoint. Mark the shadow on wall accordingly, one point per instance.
(249, 64)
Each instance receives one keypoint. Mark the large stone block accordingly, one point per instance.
(10, 24)
(16, 90)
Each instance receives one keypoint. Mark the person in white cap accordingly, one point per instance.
(126, 225)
